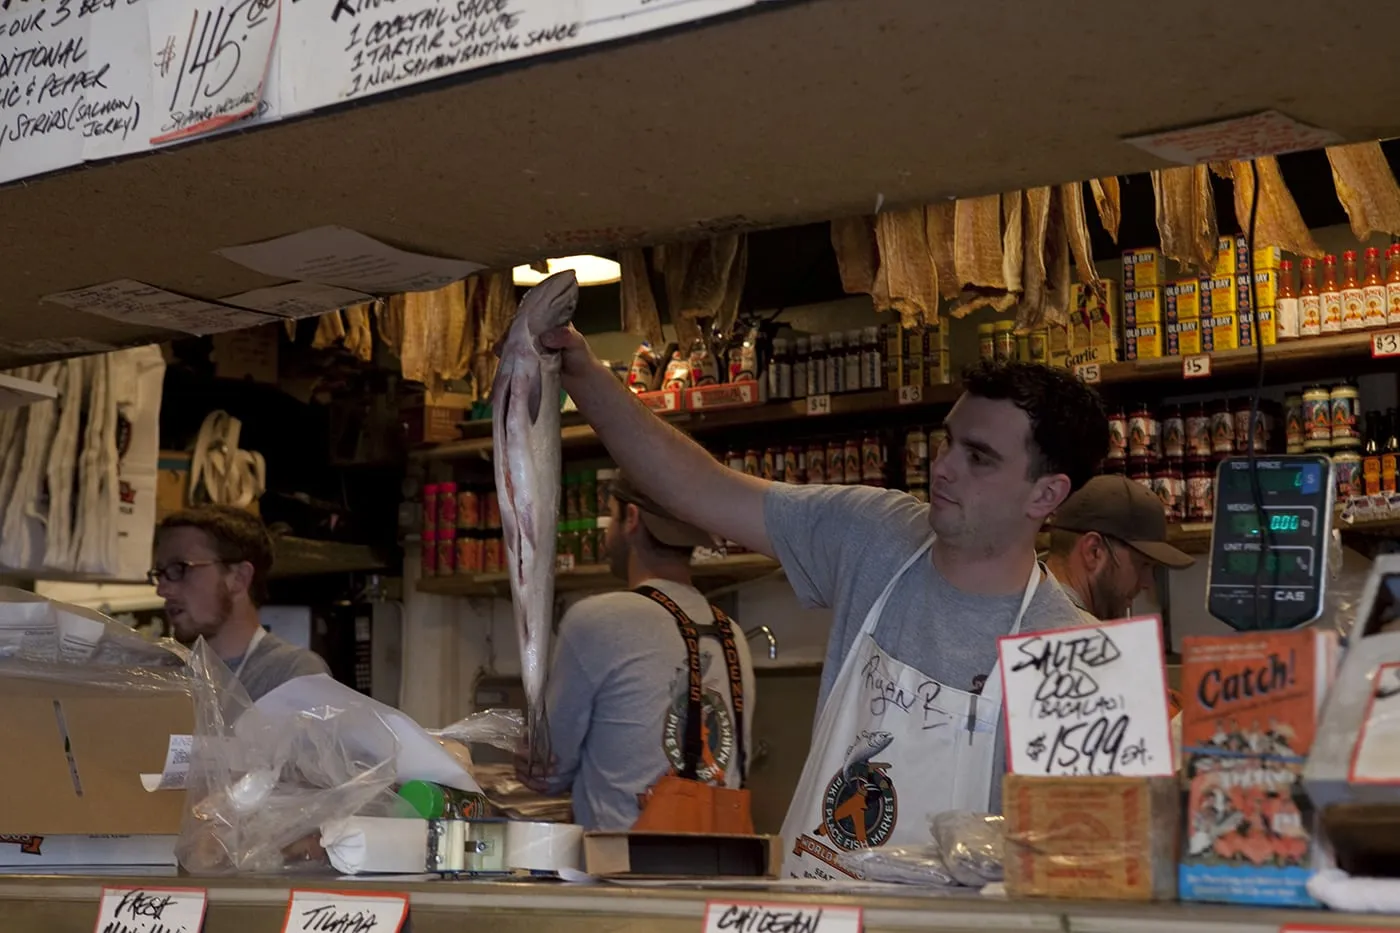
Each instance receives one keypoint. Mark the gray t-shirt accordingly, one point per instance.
(616, 701)
(273, 663)
(841, 545)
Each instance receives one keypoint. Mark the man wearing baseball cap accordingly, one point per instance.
(619, 700)
(1105, 542)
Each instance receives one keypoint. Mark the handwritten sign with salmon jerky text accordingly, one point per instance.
(1089, 700)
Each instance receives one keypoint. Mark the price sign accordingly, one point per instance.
(819, 404)
(209, 60)
(345, 912)
(1195, 366)
(1385, 343)
(911, 395)
(1081, 701)
(1088, 372)
(150, 910)
(564, 563)
(729, 917)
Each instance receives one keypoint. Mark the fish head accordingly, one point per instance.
(551, 303)
(878, 741)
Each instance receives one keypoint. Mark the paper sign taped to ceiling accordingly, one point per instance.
(56, 346)
(210, 64)
(133, 302)
(298, 299)
(1262, 134)
(348, 259)
(1089, 700)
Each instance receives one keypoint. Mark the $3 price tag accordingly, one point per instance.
(819, 404)
(911, 395)
(1385, 343)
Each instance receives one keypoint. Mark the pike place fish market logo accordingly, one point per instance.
(716, 731)
(860, 807)
(29, 845)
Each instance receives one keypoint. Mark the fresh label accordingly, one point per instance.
(151, 910)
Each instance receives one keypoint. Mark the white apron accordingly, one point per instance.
(892, 747)
(248, 653)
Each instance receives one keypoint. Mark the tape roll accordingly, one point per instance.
(543, 846)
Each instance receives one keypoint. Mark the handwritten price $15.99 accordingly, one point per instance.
(213, 50)
(1086, 747)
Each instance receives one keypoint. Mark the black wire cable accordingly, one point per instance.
(1254, 415)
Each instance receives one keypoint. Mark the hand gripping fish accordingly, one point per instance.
(525, 414)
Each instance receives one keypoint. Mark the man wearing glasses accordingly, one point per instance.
(211, 569)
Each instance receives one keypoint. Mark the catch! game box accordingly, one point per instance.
(1250, 710)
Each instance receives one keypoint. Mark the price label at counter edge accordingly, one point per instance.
(135, 907)
(725, 916)
(1195, 366)
(327, 910)
(1385, 343)
(819, 404)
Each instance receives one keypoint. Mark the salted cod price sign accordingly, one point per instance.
(730, 917)
(345, 912)
(151, 910)
(1089, 700)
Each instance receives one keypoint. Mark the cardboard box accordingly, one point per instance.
(1058, 345)
(1142, 323)
(84, 748)
(1219, 329)
(681, 855)
(1230, 257)
(1105, 838)
(433, 424)
(172, 482)
(1182, 318)
(1143, 268)
(1094, 319)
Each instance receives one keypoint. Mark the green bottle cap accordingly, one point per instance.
(426, 798)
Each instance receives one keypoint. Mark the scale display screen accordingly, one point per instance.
(1267, 569)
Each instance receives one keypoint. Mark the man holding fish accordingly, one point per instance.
(910, 695)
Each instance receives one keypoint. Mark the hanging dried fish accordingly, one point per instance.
(972, 299)
(977, 243)
(1035, 221)
(449, 330)
(389, 316)
(330, 330)
(906, 275)
(1109, 202)
(853, 239)
(497, 311)
(705, 275)
(290, 326)
(1013, 247)
(639, 315)
(1186, 216)
(1279, 222)
(359, 339)
(940, 221)
(1059, 280)
(1077, 226)
(1366, 187)
(727, 314)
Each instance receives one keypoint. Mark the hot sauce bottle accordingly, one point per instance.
(1309, 302)
(1331, 297)
(1392, 286)
(1373, 289)
(1353, 298)
(1287, 325)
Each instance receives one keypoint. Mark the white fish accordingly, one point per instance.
(525, 414)
(866, 747)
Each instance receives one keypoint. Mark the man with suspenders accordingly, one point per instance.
(651, 690)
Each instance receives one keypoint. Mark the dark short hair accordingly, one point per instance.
(1069, 427)
(237, 536)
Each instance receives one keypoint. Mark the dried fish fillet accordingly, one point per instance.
(1036, 218)
(705, 269)
(1013, 247)
(1059, 280)
(853, 239)
(1186, 216)
(977, 245)
(972, 299)
(1077, 227)
(290, 326)
(639, 315)
(1366, 187)
(906, 273)
(939, 229)
(330, 330)
(1108, 199)
(1278, 222)
(359, 339)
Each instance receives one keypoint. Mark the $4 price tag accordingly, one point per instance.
(1385, 343)
(148, 910)
(819, 404)
(345, 912)
(1195, 366)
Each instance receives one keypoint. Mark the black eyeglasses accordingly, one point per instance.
(174, 573)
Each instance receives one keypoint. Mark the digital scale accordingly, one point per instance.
(1291, 541)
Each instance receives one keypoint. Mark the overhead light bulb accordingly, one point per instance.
(591, 270)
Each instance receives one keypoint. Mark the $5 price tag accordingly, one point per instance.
(1088, 372)
(1195, 366)
(1385, 343)
(819, 404)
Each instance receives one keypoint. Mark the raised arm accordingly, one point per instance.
(672, 469)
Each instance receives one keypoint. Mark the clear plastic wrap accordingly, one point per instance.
(499, 728)
(47, 632)
(921, 865)
(261, 784)
(971, 845)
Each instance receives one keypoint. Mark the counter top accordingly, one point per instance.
(251, 905)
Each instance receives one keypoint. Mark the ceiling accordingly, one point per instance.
(796, 113)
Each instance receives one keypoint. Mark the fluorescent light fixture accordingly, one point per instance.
(591, 270)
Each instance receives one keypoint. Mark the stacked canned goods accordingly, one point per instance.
(461, 531)
(583, 519)
(921, 447)
(852, 461)
(1325, 420)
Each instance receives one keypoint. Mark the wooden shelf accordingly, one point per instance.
(304, 557)
(1291, 361)
(707, 574)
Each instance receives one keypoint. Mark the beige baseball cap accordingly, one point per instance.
(1122, 508)
(662, 525)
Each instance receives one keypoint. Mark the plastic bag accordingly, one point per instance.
(36, 629)
(261, 785)
(971, 845)
(499, 728)
(898, 865)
